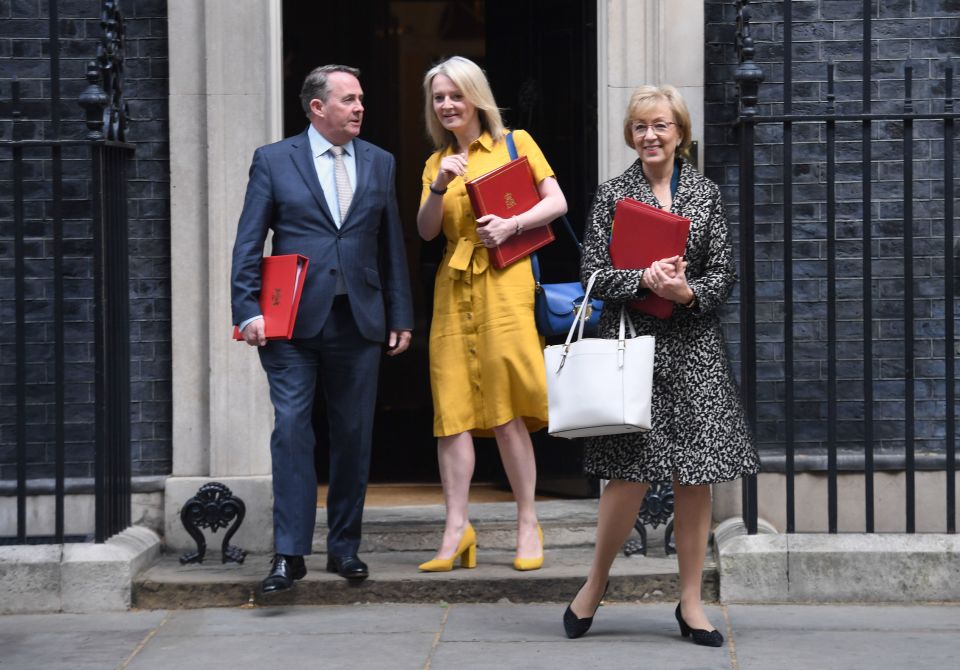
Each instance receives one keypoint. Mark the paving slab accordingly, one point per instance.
(883, 618)
(840, 637)
(73, 641)
(372, 650)
(341, 620)
(578, 654)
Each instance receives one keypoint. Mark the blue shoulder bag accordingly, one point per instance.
(555, 305)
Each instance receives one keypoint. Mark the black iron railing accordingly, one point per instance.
(98, 226)
(828, 123)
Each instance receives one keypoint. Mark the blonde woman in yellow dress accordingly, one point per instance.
(486, 362)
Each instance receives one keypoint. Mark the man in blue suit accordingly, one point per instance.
(331, 197)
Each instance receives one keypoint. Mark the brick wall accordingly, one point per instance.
(24, 52)
(921, 33)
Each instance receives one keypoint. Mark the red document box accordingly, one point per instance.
(643, 234)
(507, 191)
(281, 283)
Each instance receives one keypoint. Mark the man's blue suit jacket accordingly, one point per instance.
(284, 195)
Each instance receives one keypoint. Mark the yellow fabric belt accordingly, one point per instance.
(467, 258)
(465, 261)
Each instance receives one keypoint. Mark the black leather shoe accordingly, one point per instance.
(348, 567)
(706, 638)
(283, 572)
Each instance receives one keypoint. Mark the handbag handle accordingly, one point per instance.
(580, 319)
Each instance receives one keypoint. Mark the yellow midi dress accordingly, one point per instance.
(486, 357)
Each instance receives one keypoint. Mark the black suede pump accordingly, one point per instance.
(707, 638)
(573, 625)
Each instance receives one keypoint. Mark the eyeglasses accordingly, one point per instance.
(659, 128)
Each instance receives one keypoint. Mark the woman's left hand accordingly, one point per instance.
(668, 279)
(494, 231)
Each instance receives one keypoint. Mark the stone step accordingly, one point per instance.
(397, 539)
(565, 523)
(395, 578)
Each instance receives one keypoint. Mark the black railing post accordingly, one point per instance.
(948, 307)
(106, 123)
(831, 235)
(748, 76)
(57, 221)
(867, 255)
(908, 279)
(101, 376)
(20, 342)
(112, 342)
(788, 362)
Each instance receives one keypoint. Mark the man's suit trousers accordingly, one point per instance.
(346, 365)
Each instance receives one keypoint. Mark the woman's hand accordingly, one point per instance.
(494, 231)
(430, 214)
(451, 167)
(667, 278)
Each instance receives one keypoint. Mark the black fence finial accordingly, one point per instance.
(103, 99)
(748, 75)
(94, 101)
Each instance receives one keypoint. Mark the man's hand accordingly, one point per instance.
(398, 342)
(254, 334)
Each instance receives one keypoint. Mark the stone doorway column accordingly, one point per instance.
(638, 44)
(225, 100)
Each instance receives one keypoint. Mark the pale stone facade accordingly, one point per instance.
(219, 113)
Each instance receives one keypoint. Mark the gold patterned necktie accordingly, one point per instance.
(344, 190)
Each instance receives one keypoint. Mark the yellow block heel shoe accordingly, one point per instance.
(531, 563)
(466, 551)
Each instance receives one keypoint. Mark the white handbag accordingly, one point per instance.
(598, 386)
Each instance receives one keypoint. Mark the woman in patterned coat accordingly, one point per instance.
(699, 435)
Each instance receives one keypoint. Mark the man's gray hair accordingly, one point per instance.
(315, 86)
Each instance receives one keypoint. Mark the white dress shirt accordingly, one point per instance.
(324, 161)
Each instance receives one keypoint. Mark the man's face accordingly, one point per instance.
(339, 118)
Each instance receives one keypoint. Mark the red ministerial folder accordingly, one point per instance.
(507, 191)
(281, 283)
(643, 234)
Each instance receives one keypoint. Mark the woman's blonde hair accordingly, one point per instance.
(472, 82)
(644, 98)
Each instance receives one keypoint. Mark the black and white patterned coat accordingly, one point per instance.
(700, 434)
